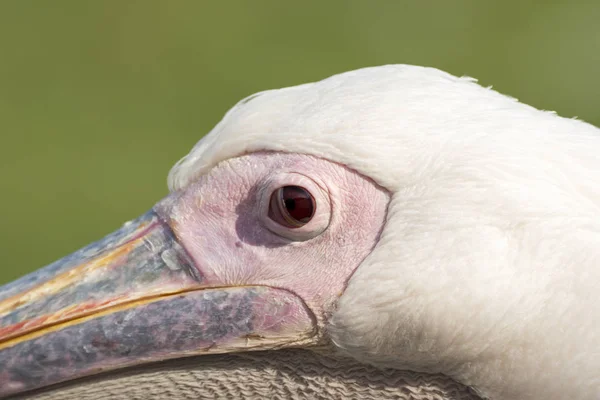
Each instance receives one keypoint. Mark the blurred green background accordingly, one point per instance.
(99, 98)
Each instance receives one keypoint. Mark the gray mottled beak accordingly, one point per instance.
(132, 298)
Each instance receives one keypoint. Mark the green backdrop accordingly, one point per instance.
(99, 98)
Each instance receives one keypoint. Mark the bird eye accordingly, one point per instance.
(292, 206)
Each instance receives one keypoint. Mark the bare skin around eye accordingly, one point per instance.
(351, 207)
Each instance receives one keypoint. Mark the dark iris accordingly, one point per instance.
(298, 203)
(292, 206)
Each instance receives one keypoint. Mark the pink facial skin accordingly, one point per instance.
(222, 221)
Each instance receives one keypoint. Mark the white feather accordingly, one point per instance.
(488, 268)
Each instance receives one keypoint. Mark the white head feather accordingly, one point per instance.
(488, 268)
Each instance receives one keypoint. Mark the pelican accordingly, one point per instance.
(389, 232)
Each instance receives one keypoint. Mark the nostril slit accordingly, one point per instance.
(238, 244)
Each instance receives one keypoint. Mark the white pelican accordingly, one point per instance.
(395, 217)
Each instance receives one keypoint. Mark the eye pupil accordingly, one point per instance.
(292, 206)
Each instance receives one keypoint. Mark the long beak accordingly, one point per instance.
(131, 298)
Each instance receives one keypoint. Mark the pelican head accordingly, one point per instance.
(397, 215)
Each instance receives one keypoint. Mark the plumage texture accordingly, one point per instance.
(279, 375)
(488, 266)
